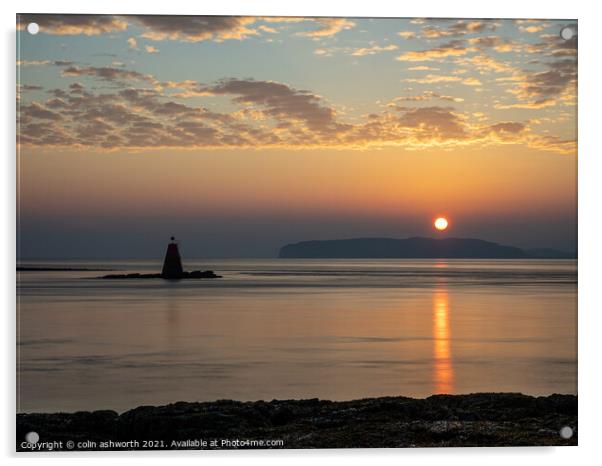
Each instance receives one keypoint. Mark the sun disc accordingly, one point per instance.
(441, 223)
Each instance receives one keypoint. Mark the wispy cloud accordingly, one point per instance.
(328, 27)
(373, 50)
(448, 49)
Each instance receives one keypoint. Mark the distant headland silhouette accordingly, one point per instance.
(413, 248)
(172, 268)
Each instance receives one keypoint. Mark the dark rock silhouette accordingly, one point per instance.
(182, 276)
(479, 420)
(411, 248)
(172, 268)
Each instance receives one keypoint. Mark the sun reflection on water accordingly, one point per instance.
(443, 369)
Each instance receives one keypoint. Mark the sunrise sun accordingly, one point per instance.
(441, 223)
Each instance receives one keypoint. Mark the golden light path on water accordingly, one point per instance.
(443, 370)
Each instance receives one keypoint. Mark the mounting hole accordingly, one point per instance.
(566, 432)
(33, 28)
(32, 437)
(567, 33)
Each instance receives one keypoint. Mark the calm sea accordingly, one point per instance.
(333, 329)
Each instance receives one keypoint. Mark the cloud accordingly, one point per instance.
(328, 27)
(426, 95)
(433, 122)
(459, 28)
(270, 114)
(484, 63)
(372, 50)
(29, 87)
(407, 34)
(132, 43)
(540, 89)
(433, 78)
(423, 68)
(262, 114)
(451, 48)
(33, 62)
(532, 29)
(268, 29)
(107, 73)
(68, 25)
(195, 28)
(323, 52)
(554, 46)
(151, 49)
(471, 81)
(44, 133)
(531, 26)
(412, 127)
(508, 127)
(553, 144)
(44, 62)
(498, 43)
(132, 118)
(38, 111)
(416, 127)
(181, 28)
(220, 28)
(280, 101)
(76, 88)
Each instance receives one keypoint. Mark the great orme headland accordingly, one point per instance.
(412, 248)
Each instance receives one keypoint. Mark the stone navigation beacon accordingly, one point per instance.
(172, 265)
(172, 268)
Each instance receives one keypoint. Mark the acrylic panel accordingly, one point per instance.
(295, 232)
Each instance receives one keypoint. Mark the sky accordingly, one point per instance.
(238, 135)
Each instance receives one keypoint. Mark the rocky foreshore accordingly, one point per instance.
(483, 419)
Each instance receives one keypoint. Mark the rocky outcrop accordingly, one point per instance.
(181, 276)
(483, 419)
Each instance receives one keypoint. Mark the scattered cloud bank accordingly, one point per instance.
(114, 107)
(530, 89)
(268, 114)
(182, 28)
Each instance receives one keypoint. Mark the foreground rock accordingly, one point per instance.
(484, 419)
(180, 276)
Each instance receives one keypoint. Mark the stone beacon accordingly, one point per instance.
(172, 265)
(172, 268)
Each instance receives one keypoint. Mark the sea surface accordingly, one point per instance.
(331, 329)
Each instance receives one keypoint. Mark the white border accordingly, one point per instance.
(590, 218)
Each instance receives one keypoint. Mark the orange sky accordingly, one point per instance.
(291, 129)
(367, 183)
